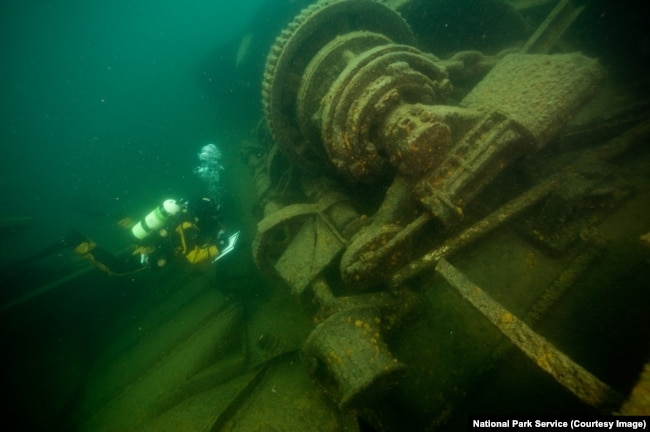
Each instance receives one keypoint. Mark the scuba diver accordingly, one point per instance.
(190, 230)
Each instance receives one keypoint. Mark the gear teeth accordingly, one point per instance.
(280, 73)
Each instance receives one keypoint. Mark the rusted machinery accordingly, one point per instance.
(356, 108)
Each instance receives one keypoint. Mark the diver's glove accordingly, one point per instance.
(222, 240)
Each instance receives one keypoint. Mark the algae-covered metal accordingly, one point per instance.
(358, 112)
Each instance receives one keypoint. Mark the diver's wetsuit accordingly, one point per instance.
(193, 233)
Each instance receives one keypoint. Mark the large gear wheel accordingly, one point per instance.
(291, 53)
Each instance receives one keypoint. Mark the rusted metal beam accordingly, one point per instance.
(553, 27)
(565, 371)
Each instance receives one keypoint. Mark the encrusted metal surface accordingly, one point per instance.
(376, 82)
(310, 31)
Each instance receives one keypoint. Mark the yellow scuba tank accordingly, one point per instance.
(155, 219)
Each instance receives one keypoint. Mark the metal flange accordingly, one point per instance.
(292, 51)
(375, 83)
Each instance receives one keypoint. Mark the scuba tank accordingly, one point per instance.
(155, 219)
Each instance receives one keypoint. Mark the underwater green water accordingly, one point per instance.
(104, 106)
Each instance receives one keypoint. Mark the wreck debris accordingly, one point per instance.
(571, 375)
(548, 33)
(347, 96)
(612, 149)
(349, 343)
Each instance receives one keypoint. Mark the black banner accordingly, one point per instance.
(560, 423)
